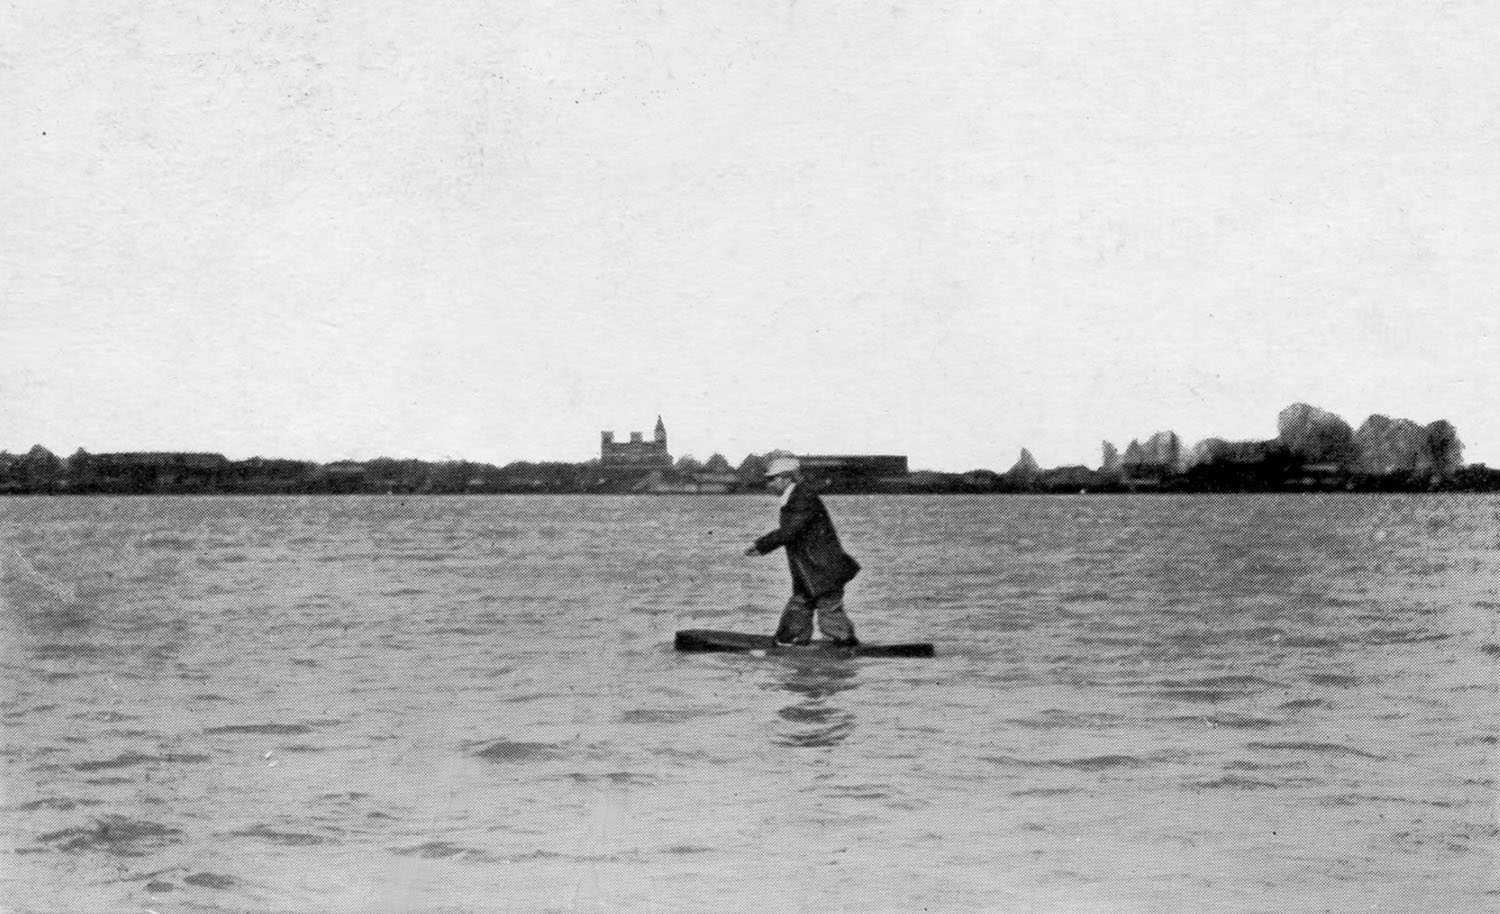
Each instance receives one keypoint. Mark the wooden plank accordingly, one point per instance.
(698, 639)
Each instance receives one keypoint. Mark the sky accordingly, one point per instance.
(491, 230)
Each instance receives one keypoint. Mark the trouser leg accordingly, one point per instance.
(796, 621)
(832, 620)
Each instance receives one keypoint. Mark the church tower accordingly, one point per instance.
(661, 432)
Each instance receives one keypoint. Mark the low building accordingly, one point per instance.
(151, 470)
(862, 472)
(182, 460)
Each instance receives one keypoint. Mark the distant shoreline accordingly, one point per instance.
(1429, 462)
(1488, 483)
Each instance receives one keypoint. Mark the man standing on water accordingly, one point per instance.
(820, 566)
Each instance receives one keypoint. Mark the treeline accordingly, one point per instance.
(1314, 450)
(39, 471)
(1270, 475)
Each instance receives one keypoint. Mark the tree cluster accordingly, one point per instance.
(1313, 449)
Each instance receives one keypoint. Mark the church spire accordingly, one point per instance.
(661, 430)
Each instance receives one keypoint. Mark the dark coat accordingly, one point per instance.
(818, 562)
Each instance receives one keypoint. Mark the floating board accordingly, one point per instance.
(698, 639)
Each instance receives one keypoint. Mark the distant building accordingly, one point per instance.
(855, 471)
(140, 471)
(636, 455)
(187, 460)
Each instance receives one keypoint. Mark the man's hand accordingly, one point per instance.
(751, 550)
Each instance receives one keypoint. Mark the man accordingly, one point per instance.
(820, 566)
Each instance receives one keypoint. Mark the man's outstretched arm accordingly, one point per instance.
(793, 521)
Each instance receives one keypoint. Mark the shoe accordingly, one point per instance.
(780, 643)
(846, 642)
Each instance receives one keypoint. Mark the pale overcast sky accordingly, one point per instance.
(490, 230)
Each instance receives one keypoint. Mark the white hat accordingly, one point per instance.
(781, 466)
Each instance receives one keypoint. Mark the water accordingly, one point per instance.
(1140, 704)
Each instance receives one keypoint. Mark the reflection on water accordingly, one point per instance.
(813, 721)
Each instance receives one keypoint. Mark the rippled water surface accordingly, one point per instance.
(1139, 704)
